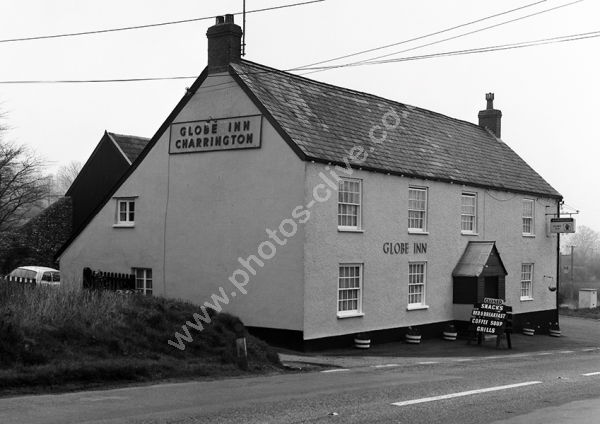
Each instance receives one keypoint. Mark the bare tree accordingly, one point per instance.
(66, 174)
(585, 240)
(22, 182)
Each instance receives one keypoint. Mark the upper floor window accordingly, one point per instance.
(349, 204)
(468, 213)
(125, 212)
(526, 281)
(143, 280)
(417, 209)
(349, 290)
(528, 217)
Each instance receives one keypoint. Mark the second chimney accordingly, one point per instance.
(224, 44)
(491, 118)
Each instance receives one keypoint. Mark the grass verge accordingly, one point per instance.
(53, 338)
(593, 313)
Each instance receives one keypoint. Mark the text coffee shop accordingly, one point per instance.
(316, 212)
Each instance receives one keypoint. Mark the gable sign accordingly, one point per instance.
(210, 135)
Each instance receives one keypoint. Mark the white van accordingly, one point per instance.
(41, 274)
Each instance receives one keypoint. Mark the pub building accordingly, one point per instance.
(315, 212)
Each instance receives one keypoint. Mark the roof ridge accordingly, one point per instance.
(128, 135)
(363, 93)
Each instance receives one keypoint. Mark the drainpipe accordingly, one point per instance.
(557, 261)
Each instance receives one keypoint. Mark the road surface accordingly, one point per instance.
(557, 386)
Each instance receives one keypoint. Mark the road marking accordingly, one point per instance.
(544, 353)
(589, 349)
(463, 360)
(337, 370)
(566, 351)
(427, 363)
(589, 374)
(467, 393)
(385, 365)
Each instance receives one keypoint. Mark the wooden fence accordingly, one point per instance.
(102, 280)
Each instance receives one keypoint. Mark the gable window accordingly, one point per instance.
(468, 213)
(143, 280)
(417, 279)
(349, 204)
(527, 282)
(528, 217)
(417, 209)
(349, 290)
(125, 212)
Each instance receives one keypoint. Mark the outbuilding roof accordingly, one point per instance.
(325, 121)
(130, 145)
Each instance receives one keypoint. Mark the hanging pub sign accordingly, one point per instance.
(562, 225)
(490, 316)
(209, 135)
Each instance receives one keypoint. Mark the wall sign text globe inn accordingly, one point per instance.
(243, 132)
(403, 248)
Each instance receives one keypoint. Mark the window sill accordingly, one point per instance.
(526, 299)
(468, 233)
(416, 307)
(124, 225)
(418, 232)
(350, 230)
(342, 315)
(529, 235)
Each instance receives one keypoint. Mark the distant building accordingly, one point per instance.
(109, 161)
(316, 212)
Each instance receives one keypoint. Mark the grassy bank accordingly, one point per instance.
(72, 339)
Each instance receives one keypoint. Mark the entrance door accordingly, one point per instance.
(491, 287)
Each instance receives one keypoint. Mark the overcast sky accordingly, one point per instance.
(549, 95)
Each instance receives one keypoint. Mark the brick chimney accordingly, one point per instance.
(490, 118)
(224, 44)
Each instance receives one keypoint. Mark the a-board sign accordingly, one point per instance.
(490, 316)
(562, 225)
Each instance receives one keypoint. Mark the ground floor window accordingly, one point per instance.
(349, 289)
(143, 280)
(526, 281)
(417, 279)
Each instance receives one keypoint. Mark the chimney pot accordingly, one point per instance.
(491, 118)
(224, 44)
(490, 100)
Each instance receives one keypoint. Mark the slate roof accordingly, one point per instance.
(325, 122)
(474, 258)
(131, 145)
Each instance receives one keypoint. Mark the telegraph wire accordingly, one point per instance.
(523, 44)
(300, 68)
(449, 38)
(486, 49)
(422, 36)
(158, 24)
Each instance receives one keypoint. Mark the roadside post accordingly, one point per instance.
(492, 317)
(240, 345)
